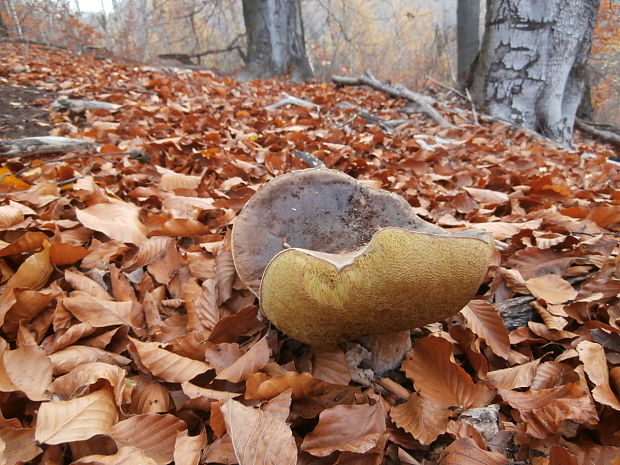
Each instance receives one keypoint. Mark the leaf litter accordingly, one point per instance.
(127, 336)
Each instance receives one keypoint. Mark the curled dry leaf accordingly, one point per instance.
(437, 378)
(118, 221)
(84, 376)
(551, 288)
(542, 412)
(10, 216)
(258, 437)
(164, 364)
(72, 357)
(23, 304)
(250, 362)
(83, 283)
(346, 428)
(304, 385)
(29, 370)
(63, 253)
(188, 449)
(330, 365)
(97, 311)
(465, 451)
(152, 433)
(149, 396)
(171, 181)
(515, 377)
(421, 418)
(31, 240)
(19, 445)
(592, 356)
(34, 272)
(76, 419)
(125, 456)
(487, 195)
(194, 392)
(149, 251)
(483, 319)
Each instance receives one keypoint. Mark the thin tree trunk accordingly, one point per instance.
(468, 36)
(15, 18)
(531, 65)
(275, 40)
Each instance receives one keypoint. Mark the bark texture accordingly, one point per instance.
(531, 65)
(276, 44)
(468, 36)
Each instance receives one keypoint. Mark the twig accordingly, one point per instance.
(290, 100)
(451, 89)
(423, 101)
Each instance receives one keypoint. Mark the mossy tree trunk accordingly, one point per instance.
(531, 65)
(275, 40)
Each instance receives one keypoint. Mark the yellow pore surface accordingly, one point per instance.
(401, 280)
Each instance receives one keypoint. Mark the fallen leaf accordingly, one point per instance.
(483, 319)
(421, 418)
(551, 288)
(258, 437)
(592, 356)
(76, 419)
(464, 451)
(118, 221)
(350, 428)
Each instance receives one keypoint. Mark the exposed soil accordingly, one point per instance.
(23, 112)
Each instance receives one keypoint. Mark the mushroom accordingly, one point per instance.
(332, 259)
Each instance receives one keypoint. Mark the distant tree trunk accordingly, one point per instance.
(4, 31)
(532, 62)
(468, 36)
(276, 44)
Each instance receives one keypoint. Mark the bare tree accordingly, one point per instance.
(275, 40)
(467, 36)
(532, 62)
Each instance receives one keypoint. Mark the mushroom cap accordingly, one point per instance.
(400, 280)
(316, 209)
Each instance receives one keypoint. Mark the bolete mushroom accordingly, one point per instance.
(332, 259)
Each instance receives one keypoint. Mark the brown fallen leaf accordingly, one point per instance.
(97, 311)
(149, 396)
(30, 241)
(592, 356)
(484, 320)
(152, 433)
(19, 445)
(126, 455)
(64, 253)
(164, 364)
(542, 412)
(118, 221)
(346, 428)
(250, 362)
(330, 365)
(304, 385)
(188, 449)
(83, 376)
(76, 419)
(34, 272)
(437, 378)
(465, 451)
(258, 437)
(421, 418)
(29, 370)
(551, 288)
(518, 376)
(72, 357)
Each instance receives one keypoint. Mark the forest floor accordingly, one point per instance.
(127, 336)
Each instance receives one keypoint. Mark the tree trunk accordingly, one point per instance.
(532, 62)
(4, 30)
(468, 36)
(276, 44)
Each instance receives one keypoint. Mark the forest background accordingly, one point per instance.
(408, 41)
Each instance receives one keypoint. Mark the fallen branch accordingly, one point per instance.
(607, 135)
(308, 159)
(80, 106)
(423, 101)
(32, 146)
(290, 100)
(385, 125)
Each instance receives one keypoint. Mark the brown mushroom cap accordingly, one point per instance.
(316, 209)
(401, 279)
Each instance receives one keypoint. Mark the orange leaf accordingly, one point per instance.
(8, 179)
(350, 428)
(63, 253)
(304, 385)
(27, 243)
(18, 445)
(249, 363)
(483, 319)
(437, 378)
(258, 437)
(465, 451)
(34, 272)
(421, 418)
